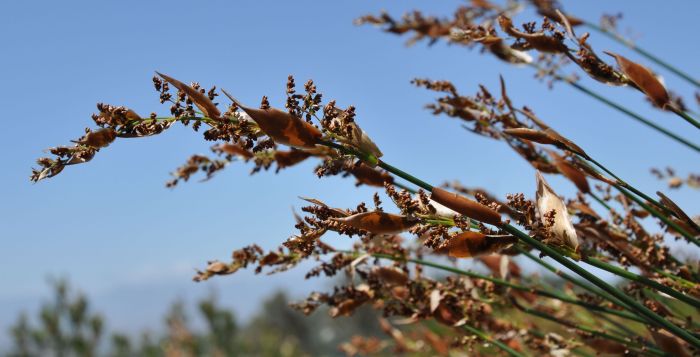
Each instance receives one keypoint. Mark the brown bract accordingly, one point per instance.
(378, 222)
(370, 176)
(98, 139)
(198, 98)
(465, 206)
(284, 128)
(391, 276)
(677, 211)
(474, 244)
(571, 172)
(290, 158)
(235, 150)
(669, 343)
(644, 79)
(531, 134)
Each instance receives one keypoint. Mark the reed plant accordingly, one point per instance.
(432, 226)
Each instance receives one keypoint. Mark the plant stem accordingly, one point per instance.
(684, 115)
(642, 280)
(484, 336)
(571, 278)
(626, 185)
(623, 187)
(663, 218)
(641, 309)
(599, 200)
(644, 53)
(622, 341)
(631, 114)
(508, 284)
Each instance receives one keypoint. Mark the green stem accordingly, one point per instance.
(684, 115)
(631, 114)
(663, 218)
(643, 310)
(369, 158)
(627, 300)
(626, 185)
(642, 280)
(599, 200)
(514, 286)
(622, 341)
(484, 336)
(572, 279)
(400, 173)
(623, 187)
(644, 53)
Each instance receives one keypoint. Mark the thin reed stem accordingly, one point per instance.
(641, 309)
(571, 279)
(629, 344)
(643, 280)
(625, 189)
(624, 110)
(505, 283)
(684, 115)
(486, 337)
(599, 200)
(644, 53)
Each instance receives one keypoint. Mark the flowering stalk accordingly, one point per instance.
(658, 320)
(254, 135)
(643, 280)
(643, 52)
(629, 344)
(505, 283)
(623, 110)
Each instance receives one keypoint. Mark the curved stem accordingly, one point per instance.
(644, 53)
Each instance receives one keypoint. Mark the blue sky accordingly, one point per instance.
(114, 229)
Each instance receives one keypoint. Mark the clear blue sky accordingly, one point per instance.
(114, 229)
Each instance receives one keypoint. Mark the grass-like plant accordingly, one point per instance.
(652, 313)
